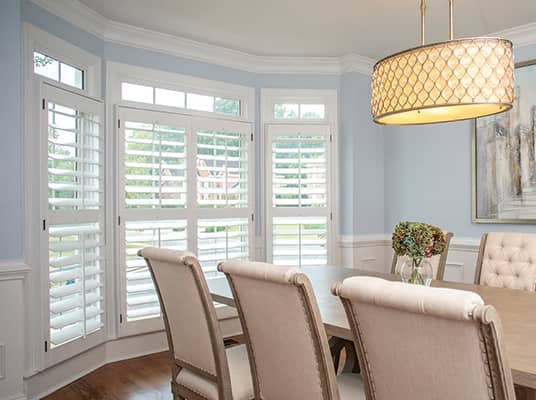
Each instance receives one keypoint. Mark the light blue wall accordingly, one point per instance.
(361, 150)
(428, 175)
(11, 222)
(354, 117)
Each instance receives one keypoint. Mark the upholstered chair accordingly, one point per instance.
(286, 339)
(421, 343)
(507, 260)
(438, 262)
(202, 368)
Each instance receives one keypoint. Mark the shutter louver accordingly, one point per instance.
(299, 195)
(299, 171)
(300, 242)
(74, 159)
(222, 169)
(155, 166)
(142, 299)
(221, 239)
(75, 280)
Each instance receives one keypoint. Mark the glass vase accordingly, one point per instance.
(417, 271)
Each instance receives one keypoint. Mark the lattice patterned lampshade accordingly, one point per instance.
(450, 81)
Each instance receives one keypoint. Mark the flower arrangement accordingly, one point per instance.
(418, 241)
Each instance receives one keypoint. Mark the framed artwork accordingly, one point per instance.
(504, 157)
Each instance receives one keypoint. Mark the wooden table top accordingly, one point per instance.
(516, 308)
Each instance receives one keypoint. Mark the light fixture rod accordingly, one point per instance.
(451, 19)
(423, 10)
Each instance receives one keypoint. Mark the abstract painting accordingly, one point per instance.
(504, 166)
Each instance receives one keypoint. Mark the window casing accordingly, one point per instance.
(183, 184)
(300, 176)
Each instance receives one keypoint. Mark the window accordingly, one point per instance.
(184, 184)
(180, 99)
(298, 168)
(299, 111)
(73, 220)
(58, 71)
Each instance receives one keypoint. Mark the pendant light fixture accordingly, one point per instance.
(449, 81)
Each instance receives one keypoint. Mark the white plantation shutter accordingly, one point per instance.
(76, 281)
(224, 192)
(222, 167)
(298, 166)
(73, 221)
(184, 185)
(142, 300)
(155, 165)
(222, 239)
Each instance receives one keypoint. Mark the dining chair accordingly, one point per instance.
(202, 368)
(421, 343)
(286, 339)
(438, 262)
(507, 259)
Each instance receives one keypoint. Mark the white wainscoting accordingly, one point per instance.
(13, 277)
(374, 253)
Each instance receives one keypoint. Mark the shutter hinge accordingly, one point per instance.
(119, 220)
(46, 346)
(119, 123)
(331, 216)
(331, 138)
(44, 224)
(120, 318)
(252, 217)
(252, 136)
(43, 103)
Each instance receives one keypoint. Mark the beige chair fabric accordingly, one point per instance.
(287, 343)
(202, 368)
(423, 343)
(507, 260)
(438, 262)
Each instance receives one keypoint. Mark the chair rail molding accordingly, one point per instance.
(108, 30)
(13, 270)
(373, 252)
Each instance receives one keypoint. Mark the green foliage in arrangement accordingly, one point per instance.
(418, 240)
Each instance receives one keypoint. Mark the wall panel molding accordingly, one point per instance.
(374, 253)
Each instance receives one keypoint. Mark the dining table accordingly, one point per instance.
(517, 310)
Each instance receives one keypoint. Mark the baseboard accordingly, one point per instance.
(62, 374)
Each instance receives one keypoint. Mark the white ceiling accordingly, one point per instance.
(373, 28)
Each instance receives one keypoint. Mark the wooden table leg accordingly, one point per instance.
(523, 393)
(351, 363)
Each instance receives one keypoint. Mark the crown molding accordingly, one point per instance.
(355, 63)
(90, 21)
(524, 35)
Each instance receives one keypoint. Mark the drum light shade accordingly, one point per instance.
(449, 81)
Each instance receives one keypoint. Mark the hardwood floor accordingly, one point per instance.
(142, 378)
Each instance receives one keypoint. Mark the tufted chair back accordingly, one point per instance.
(411, 341)
(507, 260)
(286, 339)
(438, 262)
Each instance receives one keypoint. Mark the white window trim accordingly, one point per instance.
(37, 39)
(269, 97)
(116, 73)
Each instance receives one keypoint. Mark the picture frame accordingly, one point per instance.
(504, 158)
